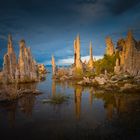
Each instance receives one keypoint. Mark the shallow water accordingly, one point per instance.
(86, 115)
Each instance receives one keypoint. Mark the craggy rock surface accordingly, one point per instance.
(14, 91)
(77, 56)
(129, 55)
(21, 70)
(91, 61)
(123, 77)
(109, 46)
(53, 65)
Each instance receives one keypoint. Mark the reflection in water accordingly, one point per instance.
(119, 104)
(114, 104)
(53, 87)
(26, 104)
(10, 110)
(91, 91)
(78, 95)
(88, 113)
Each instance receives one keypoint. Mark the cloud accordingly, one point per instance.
(99, 8)
(69, 61)
(91, 10)
(50, 27)
(3, 37)
(120, 6)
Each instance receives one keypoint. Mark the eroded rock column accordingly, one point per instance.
(9, 64)
(53, 66)
(90, 62)
(27, 66)
(77, 56)
(109, 46)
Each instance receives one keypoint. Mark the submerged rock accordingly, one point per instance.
(14, 91)
(128, 86)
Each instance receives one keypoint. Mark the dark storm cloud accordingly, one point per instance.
(115, 7)
(119, 6)
(49, 26)
(86, 1)
(59, 6)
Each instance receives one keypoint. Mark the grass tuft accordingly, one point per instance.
(57, 99)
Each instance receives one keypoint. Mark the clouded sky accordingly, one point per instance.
(50, 26)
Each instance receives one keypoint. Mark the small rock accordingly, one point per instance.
(114, 78)
(86, 80)
(45, 101)
(80, 83)
(100, 80)
(127, 86)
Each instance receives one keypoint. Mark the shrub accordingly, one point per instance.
(107, 63)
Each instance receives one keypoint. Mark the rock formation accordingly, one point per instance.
(109, 46)
(77, 56)
(117, 67)
(27, 66)
(53, 66)
(25, 70)
(9, 65)
(41, 69)
(129, 55)
(91, 61)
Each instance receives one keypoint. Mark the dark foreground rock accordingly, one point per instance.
(12, 92)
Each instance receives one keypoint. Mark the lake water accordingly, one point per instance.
(86, 115)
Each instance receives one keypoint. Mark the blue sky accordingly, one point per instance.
(50, 26)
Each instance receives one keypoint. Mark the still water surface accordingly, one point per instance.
(86, 115)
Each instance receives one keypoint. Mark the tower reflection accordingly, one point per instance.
(78, 95)
(53, 87)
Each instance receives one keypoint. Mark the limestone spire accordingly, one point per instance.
(109, 46)
(117, 67)
(53, 65)
(75, 52)
(78, 46)
(10, 44)
(90, 62)
(9, 64)
(9, 38)
(26, 64)
(23, 71)
(129, 35)
(21, 59)
(77, 55)
(91, 55)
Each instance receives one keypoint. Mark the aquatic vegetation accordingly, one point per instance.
(57, 99)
